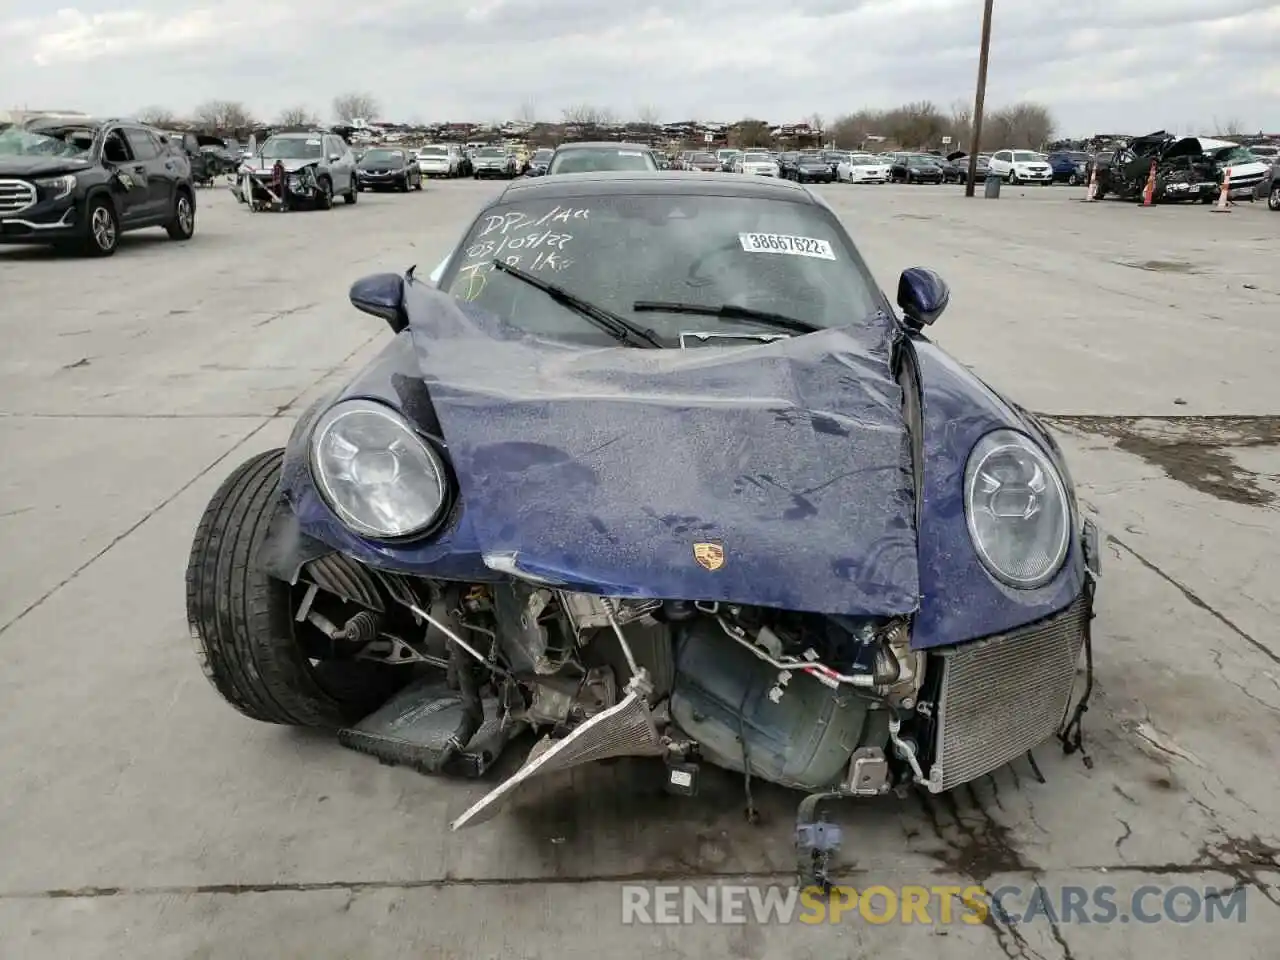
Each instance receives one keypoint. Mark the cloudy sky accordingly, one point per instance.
(1101, 65)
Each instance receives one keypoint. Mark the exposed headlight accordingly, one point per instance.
(1016, 506)
(375, 472)
(58, 187)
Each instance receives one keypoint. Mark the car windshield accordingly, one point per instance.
(71, 142)
(703, 158)
(1234, 155)
(863, 158)
(543, 155)
(598, 160)
(771, 255)
(382, 156)
(491, 152)
(922, 161)
(1025, 156)
(756, 158)
(292, 148)
(433, 152)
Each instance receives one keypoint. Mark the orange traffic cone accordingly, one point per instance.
(1224, 195)
(1092, 193)
(1149, 191)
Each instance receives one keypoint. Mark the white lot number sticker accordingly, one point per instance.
(784, 243)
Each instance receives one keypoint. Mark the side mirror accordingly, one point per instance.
(335, 158)
(922, 295)
(381, 295)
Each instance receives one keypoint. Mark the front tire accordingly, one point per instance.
(103, 235)
(241, 618)
(1273, 199)
(324, 200)
(183, 224)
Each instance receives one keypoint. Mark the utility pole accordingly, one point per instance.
(979, 98)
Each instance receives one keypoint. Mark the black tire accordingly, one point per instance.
(417, 184)
(241, 620)
(1073, 180)
(1273, 198)
(352, 195)
(403, 186)
(324, 199)
(102, 238)
(183, 224)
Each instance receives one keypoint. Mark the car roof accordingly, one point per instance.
(602, 145)
(304, 135)
(654, 183)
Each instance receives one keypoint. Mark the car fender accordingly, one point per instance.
(304, 528)
(960, 600)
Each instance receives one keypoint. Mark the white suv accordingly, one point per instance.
(440, 160)
(1021, 166)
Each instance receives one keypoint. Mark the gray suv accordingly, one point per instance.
(326, 156)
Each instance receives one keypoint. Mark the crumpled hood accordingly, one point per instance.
(776, 474)
(23, 166)
(290, 166)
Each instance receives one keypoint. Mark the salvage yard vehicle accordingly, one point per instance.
(493, 162)
(810, 166)
(916, 168)
(755, 163)
(863, 168)
(1069, 166)
(1021, 166)
(440, 160)
(79, 184)
(387, 168)
(294, 170)
(599, 157)
(769, 526)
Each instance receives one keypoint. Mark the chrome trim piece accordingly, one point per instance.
(16, 196)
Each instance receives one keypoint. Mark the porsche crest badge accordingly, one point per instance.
(709, 555)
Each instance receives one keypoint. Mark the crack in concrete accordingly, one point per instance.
(115, 541)
(1214, 864)
(1196, 600)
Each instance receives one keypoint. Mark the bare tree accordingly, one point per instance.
(851, 132)
(223, 115)
(158, 116)
(587, 115)
(749, 132)
(1026, 125)
(815, 122)
(647, 115)
(529, 110)
(961, 129)
(355, 106)
(297, 117)
(1230, 127)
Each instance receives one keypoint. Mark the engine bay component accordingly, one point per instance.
(721, 700)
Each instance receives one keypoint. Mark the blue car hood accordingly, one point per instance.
(776, 474)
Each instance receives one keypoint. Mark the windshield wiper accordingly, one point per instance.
(728, 311)
(620, 328)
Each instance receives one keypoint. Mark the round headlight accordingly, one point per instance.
(1017, 509)
(375, 472)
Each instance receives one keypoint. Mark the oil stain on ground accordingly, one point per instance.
(1195, 451)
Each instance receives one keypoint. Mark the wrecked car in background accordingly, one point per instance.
(294, 170)
(769, 526)
(77, 185)
(1186, 169)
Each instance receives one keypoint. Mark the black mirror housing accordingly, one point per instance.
(922, 295)
(381, 295)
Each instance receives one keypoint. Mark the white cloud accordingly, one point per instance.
(1099, 64)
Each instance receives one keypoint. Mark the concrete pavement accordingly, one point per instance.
(142, 817)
